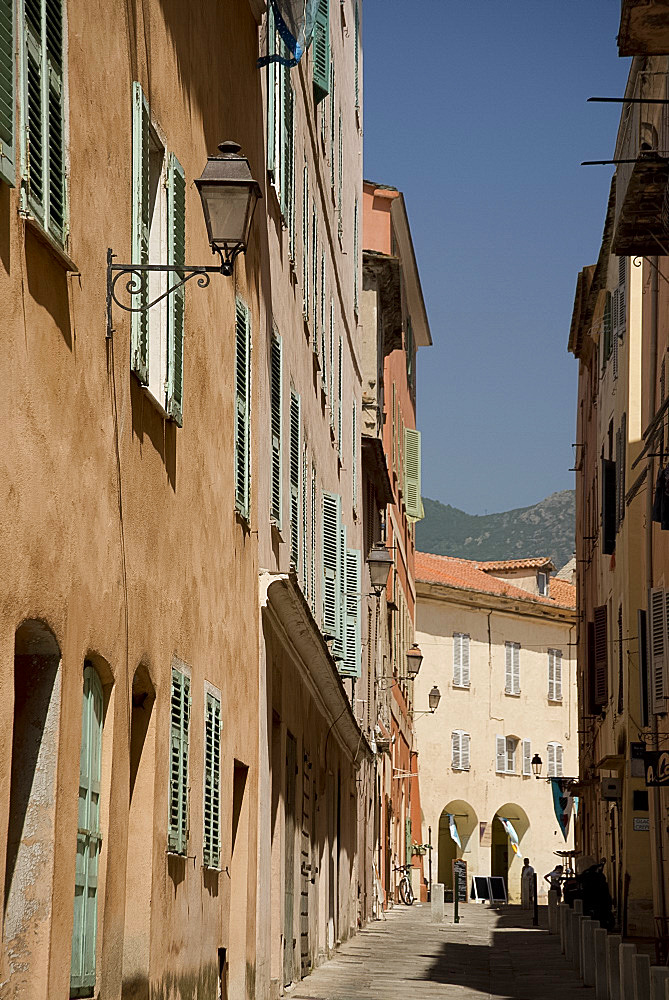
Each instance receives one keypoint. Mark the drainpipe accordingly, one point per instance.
(650, 479)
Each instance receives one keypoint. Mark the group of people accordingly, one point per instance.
(587, 882)
(554, 879)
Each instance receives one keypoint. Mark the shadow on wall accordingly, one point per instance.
(48, 284)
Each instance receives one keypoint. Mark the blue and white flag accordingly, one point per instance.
(511, 833)
(454, 830)
(294, 20)
(562, 803)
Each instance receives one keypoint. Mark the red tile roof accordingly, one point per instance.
(466, 574)
(498, 566)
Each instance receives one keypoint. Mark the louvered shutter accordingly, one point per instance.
(55, 128)
(508, 653)
(7, 94)
(601, 664)
(609, 496)
(176, 236)
(305, 244)
(272, 73)
(550, 751)
(242, 399)
(608, 329)
(355, 256)
(331, 564)
(321, 309)
(465, 660)
(295, 479)
(331, 366)
(340, 393)
(455, 749)
(354, 457)
(516, 668)
(276, 413)
(622, 465)
(312, 558)
(139, 348)
(351, 665)
(644, 680)
(527, 757)
(557, 653)
(340, 645)
(465, 740)
(558, 760)
(500, 754)
(34, 106)
(551, 675)
(304, 574)
(89, 838)
(177, 833)
(321, 51)
(333, 107)
(614, 350)
(211, 842)
(314, 279)
(356, 43)
(657, 629)
(457, 659)
(412, 487)
(622, 297)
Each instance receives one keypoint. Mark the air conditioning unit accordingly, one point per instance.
(612, 788)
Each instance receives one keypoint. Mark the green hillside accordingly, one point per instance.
(546, 528)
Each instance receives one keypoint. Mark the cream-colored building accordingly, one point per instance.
(497, 640)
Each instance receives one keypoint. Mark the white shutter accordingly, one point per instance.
(515, 688)
(457, 659)
(527, 757)
(455, 747)
(657, 635)
(508, 684)
(551, 760)
(558, 674)
(551, 675)
(465, 661)
(465, 739)
(500, 752)
(558, 760)
(511, 755)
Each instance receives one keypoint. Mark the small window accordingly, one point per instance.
(511, 746)
(505, 754)
(460, 660)
(460, 750)
(542, 584)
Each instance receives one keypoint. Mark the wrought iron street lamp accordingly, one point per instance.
(414, 660)
(379, 562)
(537, 764)
(433, 700)
(229, 195)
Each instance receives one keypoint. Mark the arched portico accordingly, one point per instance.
(504, 860)
(466, 823)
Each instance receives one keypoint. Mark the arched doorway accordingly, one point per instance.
(466, 823)
(504, 861)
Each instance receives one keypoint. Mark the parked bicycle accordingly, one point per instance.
(405, 890)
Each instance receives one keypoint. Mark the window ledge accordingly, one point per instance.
(40, 232)
(512, 694)
(462, 687)
(554, 701)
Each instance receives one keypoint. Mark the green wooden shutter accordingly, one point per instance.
(331, 564)
(339, 647)
(242, 399)
(340, 365)
(211, 841)
(354, 455)
(355, 255)
(353, 657)
(412, 493)
(272, 70)
(295, 479)
(55, 119)
(139, 347)
(314, 275)
(340, 181)
(608, 330)
(7, 94)
(305, 244)
(321, 51)
(408, 843)
(276, 407)
(176, 235)
(312, 554)
(34, 107)
(356, 42)
(333, 120)
(84, 929)
(177, 833)
(304, 575)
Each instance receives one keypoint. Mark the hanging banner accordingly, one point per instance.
(455, 836)
(563, 803)
(294, 21)
(656, 766)
(511, 833)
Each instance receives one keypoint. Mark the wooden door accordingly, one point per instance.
(289, 862)
(306, 863)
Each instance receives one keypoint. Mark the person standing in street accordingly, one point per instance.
(526, 884)
(554, 880)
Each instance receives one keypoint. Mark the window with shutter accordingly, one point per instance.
(294, 478)
(321, 310)
(333, 119)
(608, 330)
(558, 760)
(331, 527)
(511, 744)
(176, 236)
(609, 495)
(304, 479)
(211, 840)
(356, 43)
(305, 244)
(340, 176)
(340, 365)
(89, 839)
(644, 680)
(44, 115)
(177, 832)
(600, 651)
(339, 646)
(276, 427)
(527, 758)
(460, 660)
(412, 475)
(331, 366)
(512, 668)
(353, 650)
(657, 631)
(242, 407)
(312, 557)
(500, 754)
(273, 43)
(355, 256)
(139, 348)
(622, 298)
(7, 94)
(465, 740)
(455, 749)
(620, 465)
(555, 675)
(354, 455)
(551, 756)
(321, 51)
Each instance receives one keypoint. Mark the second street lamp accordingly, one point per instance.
(379, 562)
(414, 660)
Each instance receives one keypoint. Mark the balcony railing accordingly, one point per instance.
(644, 28)
(642, 208)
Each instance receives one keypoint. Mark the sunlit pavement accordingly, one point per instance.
(490, 953)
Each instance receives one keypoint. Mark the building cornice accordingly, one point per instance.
(482, 600)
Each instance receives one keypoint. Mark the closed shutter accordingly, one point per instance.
(609, 495)
(331, 564)
(557, 653)
(312, 561)
(465, 660)
(139, 347)
(622, 297)
(340, 175)
(7, 94)
(176, 234)
(321, 309)
(211, 842)
(601, 673)
(89, 838)
(508, 666)
(314, 280)
(500, 754)
(304, 575)
(551, 675)
(305, 244)
(290, 169)
(242, 400)
(608, 330)
(527, 757)
(644, 680)
(622, 464)
(550, 750)
(558, 760)
(614, 351)
(516, 668)
(465, 740)
(356, 43)
(331, 369)
(177, 833)
(272, 74)
(333, 119)
(355, 256)
(340, 644)
(455, 749)
(294, 479)
(321, 51)
(354, 448)
(276, 426)
(457, 659)
(351, 665)
(412, 485)
(34, 111)
(340, 365)
(657, 630)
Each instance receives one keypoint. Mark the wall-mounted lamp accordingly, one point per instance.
(229, 195)
(414, 660)
(433, 700)
(379, 562)
(537, 764)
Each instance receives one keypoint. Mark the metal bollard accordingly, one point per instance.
(626, 956)
(613, 965)
(601, 971)
(641, 970)
(456, 890)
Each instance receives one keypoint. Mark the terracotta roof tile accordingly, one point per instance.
(496, 566)
(469, 575)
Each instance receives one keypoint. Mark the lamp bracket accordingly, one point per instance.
(134, 272)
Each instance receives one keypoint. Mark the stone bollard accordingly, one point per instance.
(563, 910)
(659, 978)
(588, 951)
(626, 955)
(437, 900)
(569, 935)
(576, 940)
(581, 922)
(601, 972)
(641, 971)
(553, 912)
(613, 965)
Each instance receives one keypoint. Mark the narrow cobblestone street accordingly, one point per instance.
(490, 953)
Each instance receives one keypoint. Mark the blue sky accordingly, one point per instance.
(477, 111)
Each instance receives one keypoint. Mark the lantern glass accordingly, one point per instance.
(434, 698)
(414, 660)
(227, 210)
(379, 561)
(537, 764)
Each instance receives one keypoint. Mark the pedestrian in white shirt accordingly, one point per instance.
(526, 884)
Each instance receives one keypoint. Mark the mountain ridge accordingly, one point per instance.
(544, 528)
